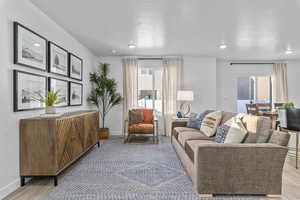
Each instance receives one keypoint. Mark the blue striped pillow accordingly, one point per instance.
(195, 120)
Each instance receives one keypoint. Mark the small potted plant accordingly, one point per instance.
(104, 95)
(50, 100)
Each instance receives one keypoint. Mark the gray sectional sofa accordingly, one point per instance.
(252, 167)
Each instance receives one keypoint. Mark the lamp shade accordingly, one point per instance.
(185, 95)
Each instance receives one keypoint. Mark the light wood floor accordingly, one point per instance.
(38, 188)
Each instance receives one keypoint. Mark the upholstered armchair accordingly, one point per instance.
(140, 122)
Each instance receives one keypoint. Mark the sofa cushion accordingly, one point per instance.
(264, 136)
(251, 124)
(191, 146)
(210, 123)
(256, 126)
(141, 128)
(280, 138)
(178, 130)
(183, 137)
(264, 130)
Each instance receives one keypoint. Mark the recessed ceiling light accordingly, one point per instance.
(114, 51)
(223, 46)
(37, 44)
(131, 45)
(288, 51)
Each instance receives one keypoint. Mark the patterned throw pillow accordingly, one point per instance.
(232, 131)
(211, 122)
(195, 120)
(237, 131)
(135, 117)
(221, 134)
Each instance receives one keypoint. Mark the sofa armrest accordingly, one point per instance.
(239, 168)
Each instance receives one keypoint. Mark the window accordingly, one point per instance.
(150, 85)
(253, 89)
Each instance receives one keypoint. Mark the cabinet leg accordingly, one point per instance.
(22, 181)
(55, 181)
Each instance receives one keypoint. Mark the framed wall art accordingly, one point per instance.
(76, 64)
(30, 48)
(75, 94)
(62, 87)
(27, 88)
(58, 60)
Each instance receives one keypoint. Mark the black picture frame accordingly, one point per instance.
(50, 70)
(70, 94)
(17, 56)
(70, 67)
(68, 90)
(15, 87)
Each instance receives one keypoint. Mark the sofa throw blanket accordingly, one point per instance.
(211, 122)
(195, 120)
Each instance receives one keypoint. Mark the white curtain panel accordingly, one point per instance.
(279, 83)
(130, 84)
(172, 76)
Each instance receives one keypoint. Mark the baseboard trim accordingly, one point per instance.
(11, 187)
(112, 132)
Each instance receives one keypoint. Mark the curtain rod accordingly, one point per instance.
(149, 58)
(252, 63)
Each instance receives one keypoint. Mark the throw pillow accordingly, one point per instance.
(211, 122)
(195, 120)
(280, 138)
(135, 117)
(221, 134)
(237, 132)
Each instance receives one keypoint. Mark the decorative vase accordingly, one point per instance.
(103, 133)
(50, 110)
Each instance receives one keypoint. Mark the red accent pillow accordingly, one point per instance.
(147, 115)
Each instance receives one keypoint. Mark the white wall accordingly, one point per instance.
(227, 81)
(199, 75)
(28, 15)
(227, 76)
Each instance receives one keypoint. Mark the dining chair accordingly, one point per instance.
(252, 109)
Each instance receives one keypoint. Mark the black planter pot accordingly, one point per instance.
(293, 119)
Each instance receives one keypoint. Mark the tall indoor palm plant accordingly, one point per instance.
(104, 93)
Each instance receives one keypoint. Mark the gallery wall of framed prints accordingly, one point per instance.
(50, 61)
(75, 94)
(62, 86)
(27, 88)
(30, 48)
(76, 64)
(58, 60)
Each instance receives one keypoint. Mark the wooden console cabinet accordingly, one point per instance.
(49, 145)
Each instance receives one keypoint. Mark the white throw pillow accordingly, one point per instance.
(237, 131)
(210, 123)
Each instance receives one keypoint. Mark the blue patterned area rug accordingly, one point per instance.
(118, 171)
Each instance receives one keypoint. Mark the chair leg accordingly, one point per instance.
(154, 140)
